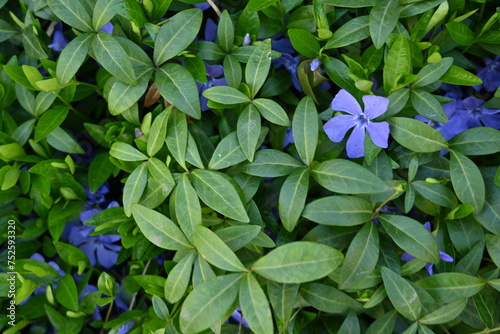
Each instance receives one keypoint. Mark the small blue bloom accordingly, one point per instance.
(315, 64)
(239, 317)
(202, 6)
(406, 257)
(288, 137)
(472, 114)
(337, 127)
(214, 72)
(124, 329)
(108, 27)
(246, 39)
(99, 196)
(490, 75)
(290, 64)
(59, 41)
(455, 123)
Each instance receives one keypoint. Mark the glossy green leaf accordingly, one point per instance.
(282, 297)
(178, 279)
(227, 153)
(158, 133)
(493, 247)
(208, 302)
(100, 170)
(160, 308)
(160, 171)
(411, 236)
(487, 307)
(23, 132)
(103, 13)
(66, 292)
(134, 187)
(113, 57)
(351, 32)
(328, 299)
(248, 131)
(258, 66)
(489, 217)
(450, 287)
(178, 87)
(292, 198)
(436, 193)
(219, 194)
(225, 32)
(62, 141)
(339, 211)
(215, 251)
(467, 181)
(49, 121)
(383, 325)
(460, 33)
(399, 59)
(476, 141)
(73, 13)
(445, 313)
(458, 76)
(175, 35)
(383, 19)
(232, 71)
(272, 111)
(402, 295)
(225, 95)
(255, 306)
(432, 72)
(304, 42)
(298, 262)
(72, 57)
(428, 106)
(126, 152)
(347, 177)
(255, 5)
(350, 325)
(177, 134)
(416, 135)
(237, 237)
(123, 96)
(305, 129)
(271, 163)
(361, 256)
(158, 229)
(187, 207)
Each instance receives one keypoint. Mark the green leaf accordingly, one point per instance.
(489, 217)
(305, 129)
(255, 306)
(178, 87)
(72, 57)
(158, 133)
(292, 198)
(402, 295)
(436, 193)
(383, 325)
(49, 121)
(272, 111)
(476, 141)
(298, 262)
(493, 247)
(208, 302)
(487, 307)
(337, 71)
(445, 313)
(351, 32)
(431, 73)
(103, 13)
(350, 325)
(134, 187)
(187, 207)
(66, 293)
(225, 95)
(100, 170)
(215, 251)
(160, 171)
(219, 194)
(175, 35)
(237, 237)
(467, 181)
(258, 66)
(282, 297)
(225, 32)
(123, 96)
(256, 5)
(177, 134)
(427, 105)
(160, 307)
(227, 153)
(411, 236)
(339, 211)
(62, 141)
(383, 19)
(458, 76)
(328, 299)
(460, 33)
(72, 13)
(347, 177)
(416, 135)
(450, 287)
(158, 229)
(23, 132)
(399, 59)
(126, 152)
(178, 279)
(248, 131)
(271, 163)
(232, 71)
(304, 42)
(361, 257)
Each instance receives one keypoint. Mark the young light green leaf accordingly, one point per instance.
(292, 197)
(298, 262)
(126, 152)
(256, 5)
(339, 211)
(450, 287)
(72, 57)
(160, 308)
(255, 306)
(351, 32)
(361, 257)
(178, 279)
(62, 141)
(178, 87)
(219, 194)
(400, 59)
(416, 135)
(175, 35)
(458, 76)
(208, 302)
(113, 57)
(257, 67)
(428, 106)
(347, 177)
(158, 229)
(134, 187)
(177, 136)
(187, 207)
(248, 131)
(272, 111)
(383, 19)
(71, 12)
(304, 42)
(271, 163)
(411, 236)
(215, 251)
(66, 293)
(402, 295)
(305, 129)
(476, 141)
(467, 181)
(432, 72)
(225, 95)
(158, 132)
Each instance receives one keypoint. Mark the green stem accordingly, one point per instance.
(488, 330)
(108, 314)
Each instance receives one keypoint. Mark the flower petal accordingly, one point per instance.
(356, 143)
(337, 127)
(407, 257)
(379, 132)
(445, 257)
(427, 225)
(375, 105)
(106, 257)
(344, 101)
(430, 268)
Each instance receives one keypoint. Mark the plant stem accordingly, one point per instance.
(135, 294)
(375, 213)
(214, 7)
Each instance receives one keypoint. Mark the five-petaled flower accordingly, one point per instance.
(337, 127)
(406, 257)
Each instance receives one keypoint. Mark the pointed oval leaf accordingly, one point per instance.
(134, 187)
(248, 131)
(416, 135)
(258, 65)
(49, 121)
(179, 278)
(72, 57)
(445, 313)
(328, 299)
(126, 152)
(383, 19)
(187, 206)
(351, 32)
(450, 287)
(467, 181)
(339, 211)
(432, 72)
(99, 171)
(305, 129)
(292, 197)
(225, 95)
(282, 297)
(255, 306)
(103, 13)
(237, 237)
(304, 42)
(400, 59)
(61, 140)
(428, 106)
(158, 133)
(477, 141)
(71, 12)
(402, 295)
(271, 163)
(272, 111)
(177, 136)
(437, 193)
(227, 153)
(225, 32)
(66, 293)
(123, 96)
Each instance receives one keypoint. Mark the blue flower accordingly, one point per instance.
(337, 127)
(315, 64)
(59, 41)
(124, 329)
(108, 27)
(470, 112)
(406, 257)
(490, 75)
(213, 72)
(288, 137)
(290, 64)
(97, 197)
(455, 123)
(239, 318)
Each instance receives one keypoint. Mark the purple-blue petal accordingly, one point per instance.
(379, 133)
(210, 30)
(106, 257)
(427, 225)
(430, 268)
(214, 71)
(407, 257)
(344, 101)
(445, 257)
(108, 27)
(356, 143)
(315, 64)
(375, 105)
(337, 127)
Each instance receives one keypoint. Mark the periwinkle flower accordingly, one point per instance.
(490, 75)
(453, 127)
(288, 137)
(290, 64)
(214, 74)
(337, 127)
(108, 27)
(125, 328)
(99, 196)
(59, 41)
(472, 114)
(315, 64)
(239, 317)
(429, 267)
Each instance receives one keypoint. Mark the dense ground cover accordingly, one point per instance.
(287, 166)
